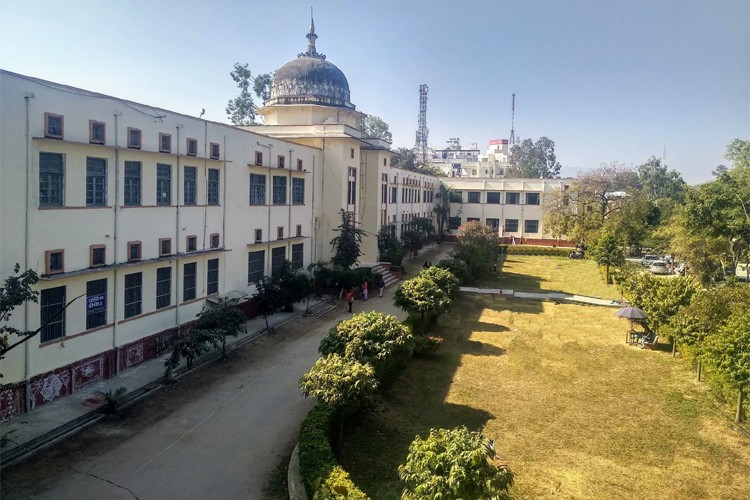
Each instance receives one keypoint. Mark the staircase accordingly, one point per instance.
(388, 276)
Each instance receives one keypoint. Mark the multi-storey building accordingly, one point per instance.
(135, 215)
(457, 161)
(513, 207)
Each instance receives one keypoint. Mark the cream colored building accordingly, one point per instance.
(513, 207)
(141, 214)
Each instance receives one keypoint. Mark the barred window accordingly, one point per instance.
(256, 262)
(212, 276)
(96, 182)
(297, 255)
(298, 191)
(52, 301)
(163, 287)
(132, 183)
(96, 303)
(257, 189)
(133, 294)
(51, 179)
(278, 255)
(213, 186)
(188, 283)
(190, 187)
(163, 184)
(279, 190)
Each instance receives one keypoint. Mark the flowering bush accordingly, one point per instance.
(426, 345)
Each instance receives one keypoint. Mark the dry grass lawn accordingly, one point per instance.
(574, 411)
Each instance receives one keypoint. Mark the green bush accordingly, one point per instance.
(535, 250)
(327, 277)
(321, 474)
(338, 486)
(458, 267)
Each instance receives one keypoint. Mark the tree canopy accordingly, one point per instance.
(478, 245)
(372, 127)
(534, 160)
(242, 109)
(347, 244)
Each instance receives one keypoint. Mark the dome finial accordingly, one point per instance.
(311, 37)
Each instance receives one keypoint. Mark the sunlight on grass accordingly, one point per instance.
(575, 412)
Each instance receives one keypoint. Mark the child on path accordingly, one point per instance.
(350, 298)
(381, 286)
(365, 286)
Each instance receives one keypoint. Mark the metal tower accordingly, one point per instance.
(420, 147)
(512, 140)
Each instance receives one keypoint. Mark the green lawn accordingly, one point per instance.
(574, 411)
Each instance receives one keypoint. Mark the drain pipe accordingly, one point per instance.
(27, 353)
(177, 236)
(115, 346)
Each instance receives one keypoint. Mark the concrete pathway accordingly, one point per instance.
(552, 296)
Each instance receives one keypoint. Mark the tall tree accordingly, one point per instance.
(346, 244)
(405, 158)
(534, 160)
(593, 197)
(242, 110)
(728, 351)
(658, 183)
(442, 208)
(222, 319)
(607, 252)
(373, 127)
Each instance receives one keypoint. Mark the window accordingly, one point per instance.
(511, 225)
(512, 198)
(51, 180)
(299, 165)
(191, 243)
(279, 190)
(133, 294)
(454, 223)
(163, 184)
(256, 262)
(474, 196)
(394, 194)
(257, 189)
(54, 261)
(297, 255)
(96, 182)
(299, 229)
(212, 276)
(134, 250)
(215, 240)
(188, 281)
(215, 151)
(532, 198)
(190, 185)
(53, 126)
(258, 235)
(384, 162)
(384, 193)
(96, 303)
(258, 158)
(351, 192)
(96, 132)
(97, 255)
(278, 255)
(493, 198)
(134, 138)
(165, 143)
(52, 310)
(472, 219)
(493, 223)
(212, 195)
(531, 226)
(298, 191)
(192, 147)
(281, 161)
(132, 185)
(163, 287)
(165, 246)
(351, 154)
(280, 233)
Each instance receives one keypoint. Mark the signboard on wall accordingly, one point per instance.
(96, 303)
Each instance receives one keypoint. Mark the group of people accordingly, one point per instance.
(348, 294)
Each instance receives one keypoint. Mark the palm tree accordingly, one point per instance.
(442, 208)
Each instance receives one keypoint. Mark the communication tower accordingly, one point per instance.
(420, 145)
(512, 140)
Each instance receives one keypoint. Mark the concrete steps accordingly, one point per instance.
(388, 277)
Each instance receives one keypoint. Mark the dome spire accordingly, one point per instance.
(311, 37)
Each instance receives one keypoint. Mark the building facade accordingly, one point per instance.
(135, 216)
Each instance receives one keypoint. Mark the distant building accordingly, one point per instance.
(457, 161)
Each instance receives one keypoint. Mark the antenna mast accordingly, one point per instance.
(420, 145)
(512, 121)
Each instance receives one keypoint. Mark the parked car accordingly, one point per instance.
(648, 259)
(659, 267)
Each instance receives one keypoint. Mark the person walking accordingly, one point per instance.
(350, 298)
(381, 286)
(365, 287)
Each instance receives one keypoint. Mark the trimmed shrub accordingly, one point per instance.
(534, 250)
(458, 267)
(445, 279)
(338, 486)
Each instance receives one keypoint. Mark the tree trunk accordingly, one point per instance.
(700, 367)
(740, 397)
(607, 274)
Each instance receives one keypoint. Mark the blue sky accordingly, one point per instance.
(606, 80)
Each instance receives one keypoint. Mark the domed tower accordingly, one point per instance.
(303, 84)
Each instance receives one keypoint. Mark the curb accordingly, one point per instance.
(294, 478)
